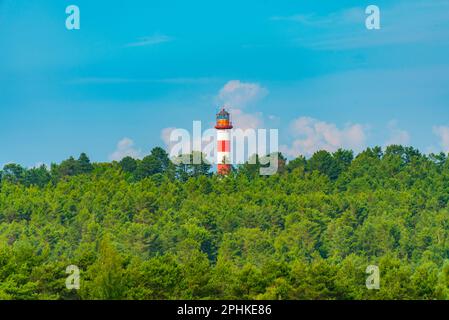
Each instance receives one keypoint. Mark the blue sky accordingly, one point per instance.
(135, 68)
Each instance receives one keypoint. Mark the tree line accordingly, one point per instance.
(158, 229)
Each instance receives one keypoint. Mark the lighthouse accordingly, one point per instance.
(223, 126)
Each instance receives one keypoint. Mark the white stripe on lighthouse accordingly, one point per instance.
(223, 135)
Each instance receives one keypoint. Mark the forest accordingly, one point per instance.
(154, 228)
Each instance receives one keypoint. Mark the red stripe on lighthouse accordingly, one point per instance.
(224, 169)
(223, 146)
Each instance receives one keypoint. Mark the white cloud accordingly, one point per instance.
(245, 121)
(312, 135)
(443, 133)
(150, 40)
(165, 135)
(125, 148)
(38, 165)
(186, 142)
(397, 136)
(236, 96)
(34, 166)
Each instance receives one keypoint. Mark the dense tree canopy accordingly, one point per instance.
(161, 229)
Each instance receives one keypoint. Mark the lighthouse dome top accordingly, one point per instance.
(223, 114)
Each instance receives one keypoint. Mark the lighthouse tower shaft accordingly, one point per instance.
(223, 151)
(223, 127)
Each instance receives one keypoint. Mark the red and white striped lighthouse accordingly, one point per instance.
(223, 126)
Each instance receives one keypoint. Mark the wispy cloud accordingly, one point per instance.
(424, 22)
(344, 17)
(150, 40)
(119, 80)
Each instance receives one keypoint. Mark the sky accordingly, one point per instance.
(137, 69)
